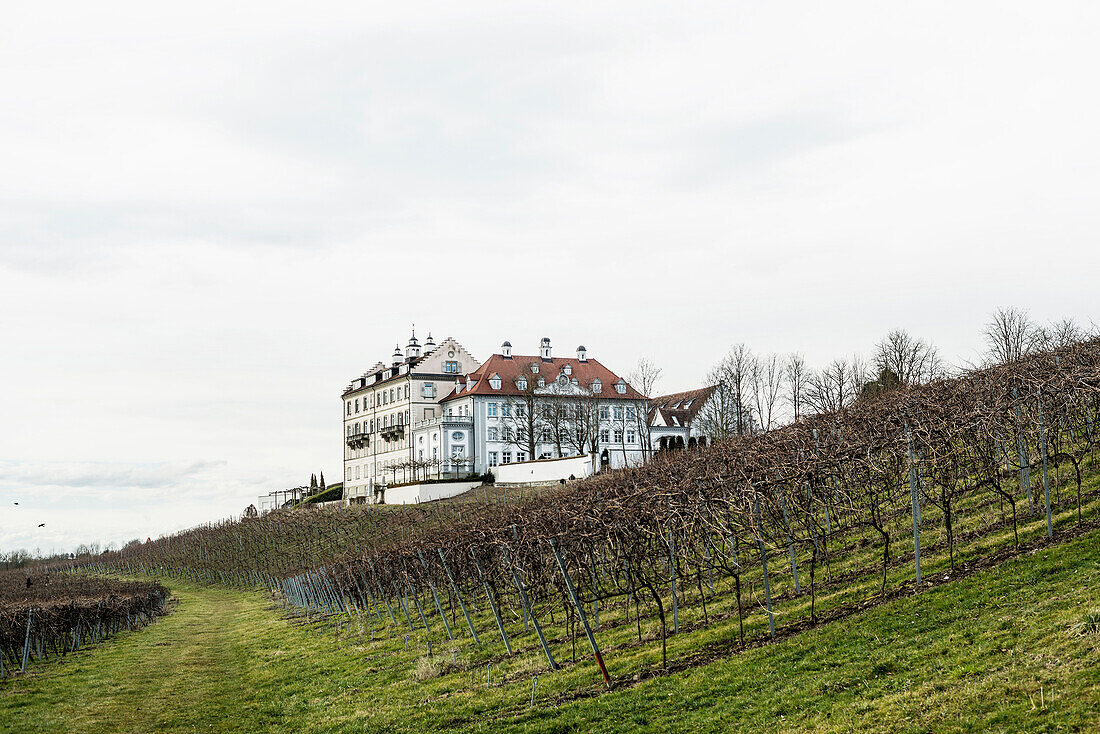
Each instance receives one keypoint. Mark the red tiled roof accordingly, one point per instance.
(683, 406)
(509, 370)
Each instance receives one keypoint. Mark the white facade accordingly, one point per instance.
(473, 434)
(380, 406)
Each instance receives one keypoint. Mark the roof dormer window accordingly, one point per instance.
(567, 369)
(494, 382)
(521, 384)
(597, 386)
(541, 382)
(620, 387)
(534, 367)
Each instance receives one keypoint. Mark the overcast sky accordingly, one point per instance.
(213, 216)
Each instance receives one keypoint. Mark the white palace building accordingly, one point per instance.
(438, 413)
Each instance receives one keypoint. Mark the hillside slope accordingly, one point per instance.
(1011, 648)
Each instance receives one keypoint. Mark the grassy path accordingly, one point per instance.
(186, 672)
(995, 651)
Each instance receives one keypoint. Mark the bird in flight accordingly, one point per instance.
(41, 524)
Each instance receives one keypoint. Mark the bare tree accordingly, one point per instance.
(554, 420)
(520, 414)
(796, 375)
(911, 361)
(727, 413)
(835, 386)
(767, 382)
(645, 376)
(644, 379)
(1009, 336)
(1059, 334)
(581, 422)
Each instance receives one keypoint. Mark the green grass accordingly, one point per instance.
(1014, 648)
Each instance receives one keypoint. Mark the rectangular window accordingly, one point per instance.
(545, 435)
(618, 412)
(427, 390)
(493, 434)
(357, 405)
(521, 411)
(493, 461)
(349, 407)
(605, 413)
(391, 395)
(450, 367)
(521, 456)
(630, 436)
(618, 436)
(507, 457)
(630, 414)
(492, 410)
(506, 410)
(605, 436)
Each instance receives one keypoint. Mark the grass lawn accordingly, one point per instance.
(1001, 650)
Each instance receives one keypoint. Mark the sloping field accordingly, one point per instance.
(1011, 648)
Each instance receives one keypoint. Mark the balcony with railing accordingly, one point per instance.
(393, 433)
(358, 440)
(446, 420)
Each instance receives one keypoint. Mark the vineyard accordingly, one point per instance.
(796, 524)
(782, 517)
(50, 615)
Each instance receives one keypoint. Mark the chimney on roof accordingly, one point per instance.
(544, 348)
(398, 358)
(506, 350)
(582, 354)
(412, 351)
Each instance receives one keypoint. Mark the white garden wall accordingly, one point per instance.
(413, 493)
(544, 470)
